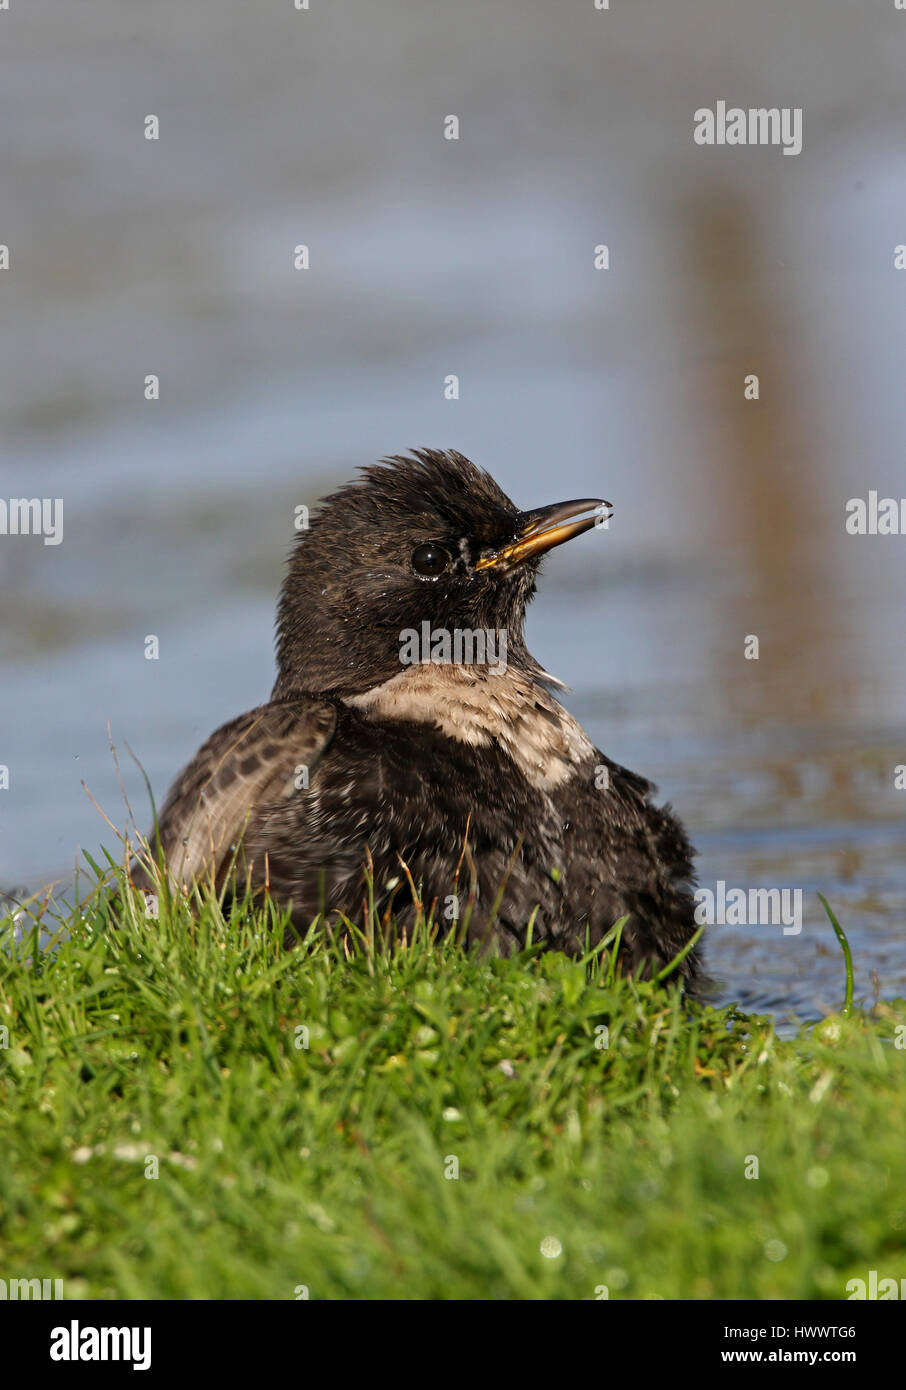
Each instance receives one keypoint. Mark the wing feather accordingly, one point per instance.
(245, 766)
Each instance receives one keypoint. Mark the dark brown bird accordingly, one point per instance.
(410, 726)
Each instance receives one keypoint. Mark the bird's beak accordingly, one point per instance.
(542, 529)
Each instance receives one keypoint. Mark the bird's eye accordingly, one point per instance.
(430, 560)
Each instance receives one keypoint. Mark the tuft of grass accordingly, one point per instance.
(187, 1110)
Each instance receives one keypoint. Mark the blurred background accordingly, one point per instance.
(474, 257)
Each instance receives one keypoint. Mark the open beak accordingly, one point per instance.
(542, 529)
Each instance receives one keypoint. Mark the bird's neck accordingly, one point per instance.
(479, 707)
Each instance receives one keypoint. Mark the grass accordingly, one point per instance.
(447, 1128)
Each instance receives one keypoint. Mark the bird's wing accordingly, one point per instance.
(253, 761)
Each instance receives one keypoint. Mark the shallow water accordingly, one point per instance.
(130, 257)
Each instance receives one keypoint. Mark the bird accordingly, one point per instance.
(413, 756)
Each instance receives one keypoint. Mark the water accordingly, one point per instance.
(428, 257)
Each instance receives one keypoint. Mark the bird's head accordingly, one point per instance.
(428, 538)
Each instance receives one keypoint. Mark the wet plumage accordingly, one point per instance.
(435, 766)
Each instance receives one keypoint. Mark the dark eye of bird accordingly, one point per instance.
(430, 560)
